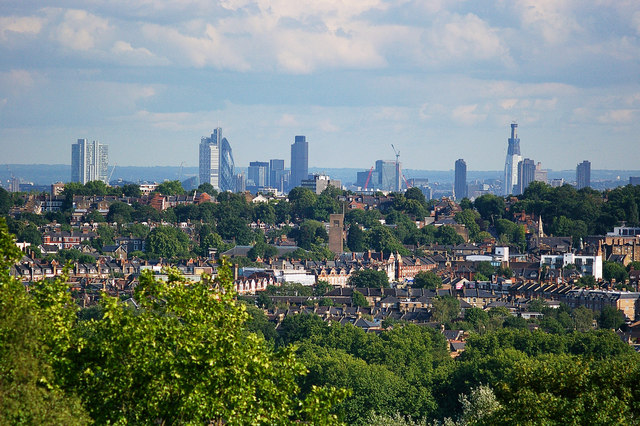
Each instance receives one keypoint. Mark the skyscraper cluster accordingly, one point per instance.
(89, 161)
(217, 167)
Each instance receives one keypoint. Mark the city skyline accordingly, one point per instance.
(436, 77)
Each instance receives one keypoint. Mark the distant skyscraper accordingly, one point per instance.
(540, 174)
(276, 174)
(387, 175)
(460, 185)
(216, 162)
(583, 174)
(89, 161)
(258, 172)
(526, 174)
(299, 161)
(512, 160)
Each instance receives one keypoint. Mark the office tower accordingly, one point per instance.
(583, 174)
(89, 161)
(526, 174)
(240, 183)
(541, 175)
(276, 169)
(460, 184)
(299, 161)
(388, 175)
(216, 162)
(512, 160)
(258, 172)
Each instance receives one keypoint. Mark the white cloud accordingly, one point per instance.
(288, 120)
(554, 20)
(206, 48)
(463, 38)
(618, 116)
(80, 30)
(25, 25)
(328, 127)
(467, 115)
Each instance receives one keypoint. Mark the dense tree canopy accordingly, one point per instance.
(369, 278)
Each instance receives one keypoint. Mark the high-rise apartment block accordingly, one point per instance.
(216, 162)
(299, 161)
(526, 174)
(583, 174)
(460, 184)
(511, 162)
(89, 161)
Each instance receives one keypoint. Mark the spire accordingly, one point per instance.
(540, 230)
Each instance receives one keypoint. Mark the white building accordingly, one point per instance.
(587, 265)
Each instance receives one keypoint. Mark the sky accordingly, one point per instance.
(440, 80)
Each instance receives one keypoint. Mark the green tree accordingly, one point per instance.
(120, 212)
(614, 271)
(321, 288)
(582, 318)
(171, 187)
(189, 359)
(167, 242)
(310, 232)
(476, 316)
(356, 239)
(485, 269)
(5, 201)
(208, 188)
(369, 278)
(302, 201)
(447, 235)
(383, 240)
(445, 308)
(610, 318)
(358, 299)
(427, 279)
(131, 190)
(35, 335)
(490, 207)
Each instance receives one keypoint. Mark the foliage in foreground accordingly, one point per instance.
(182, 356)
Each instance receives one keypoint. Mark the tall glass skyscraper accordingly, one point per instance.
(511, 162)
(460, 185)
(216, 165)
(299, 161)
(89, 161)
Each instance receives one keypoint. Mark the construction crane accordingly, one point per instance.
(111, 174)
(366, 184)
(180, 175)
(398, 185)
